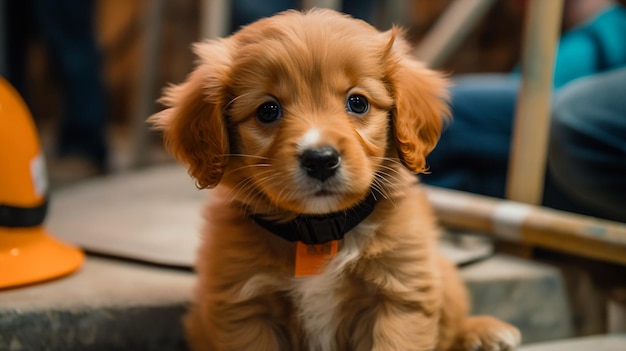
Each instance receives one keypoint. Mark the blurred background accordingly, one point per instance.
(91, 72)
(120, 31)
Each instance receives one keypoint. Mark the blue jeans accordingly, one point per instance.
(67, 28)
(473, 152)
(587, 155)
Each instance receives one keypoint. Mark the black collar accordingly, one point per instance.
(319, 229)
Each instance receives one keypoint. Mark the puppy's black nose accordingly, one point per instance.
(321, 163)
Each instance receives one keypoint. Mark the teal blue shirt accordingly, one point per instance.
(596, 45)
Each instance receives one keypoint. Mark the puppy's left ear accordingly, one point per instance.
(421, 106)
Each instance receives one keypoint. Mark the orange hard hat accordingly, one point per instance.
(28, 253)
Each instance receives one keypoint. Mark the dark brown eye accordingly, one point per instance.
(269, 112)
(357, 104)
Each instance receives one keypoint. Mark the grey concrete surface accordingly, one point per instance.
(103, 282)
(154, 215)
(123, 305)
(120, 305)
(611, 342)
(527, 294)
(107, 305)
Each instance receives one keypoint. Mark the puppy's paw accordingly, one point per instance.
(488, 334)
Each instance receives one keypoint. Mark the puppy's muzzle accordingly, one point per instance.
(320, 163)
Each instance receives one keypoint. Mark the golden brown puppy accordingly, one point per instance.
(310, 126)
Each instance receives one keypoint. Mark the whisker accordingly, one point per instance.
(260, 165)
(249, 179)
(258, 194)
(376, 186)
(242, 187)
(248, 156)
(241, 190)
(390, 159)
(280, 195)
(388, 180)
(380, 186)
(388, 177)
(389, 168)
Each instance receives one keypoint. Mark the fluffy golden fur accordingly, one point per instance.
(387, 288)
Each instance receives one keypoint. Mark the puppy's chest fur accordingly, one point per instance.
(319, 298)
(337, 308)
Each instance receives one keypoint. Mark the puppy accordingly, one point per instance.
(310, 127)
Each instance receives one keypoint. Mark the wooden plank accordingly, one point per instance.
(450, 30)
(532, 118)
(331, 4)
(215, 19)
(533, 225)
(151, 60)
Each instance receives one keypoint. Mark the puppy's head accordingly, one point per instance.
(307, 111)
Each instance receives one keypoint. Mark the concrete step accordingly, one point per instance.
(610, 342)
(113, 304)
(107, 305)
(527, 294)
(121, 305)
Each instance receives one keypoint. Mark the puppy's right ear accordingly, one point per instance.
(421, 107)
(193, 124)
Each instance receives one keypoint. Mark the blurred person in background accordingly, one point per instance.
(587, 155)
(247, 11)
(66, 28)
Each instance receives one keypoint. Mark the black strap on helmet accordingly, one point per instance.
(15, 217)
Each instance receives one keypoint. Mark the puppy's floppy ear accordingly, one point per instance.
(193, 123)
(420, 103)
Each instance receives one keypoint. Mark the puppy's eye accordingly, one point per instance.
(357, 104)
(269, 112)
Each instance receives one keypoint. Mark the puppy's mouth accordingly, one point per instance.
(327, 197)
(321, 181)
(323, 193)
(326, 190)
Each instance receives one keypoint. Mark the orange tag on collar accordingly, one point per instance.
(310, 259)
